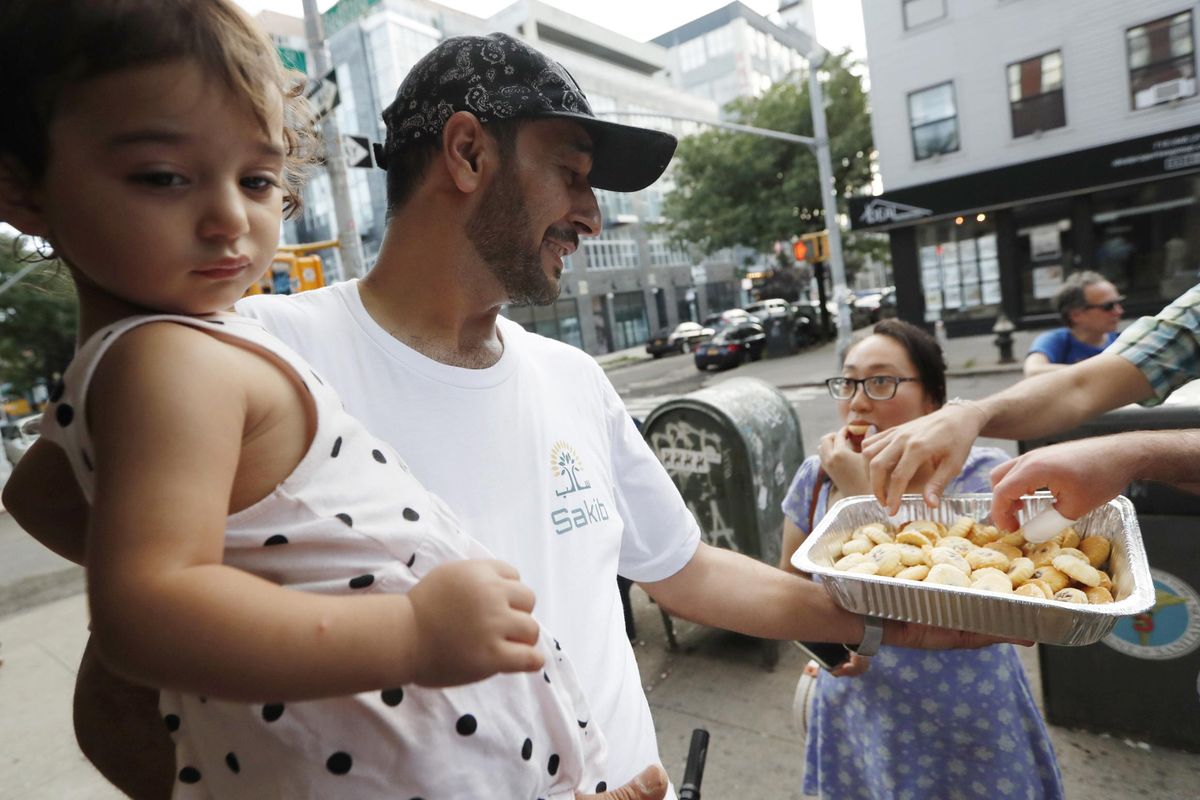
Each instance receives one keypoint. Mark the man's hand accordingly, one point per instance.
(927, 637)
(473, 620)
(1081, 474)
(649, 784)
(941, 440)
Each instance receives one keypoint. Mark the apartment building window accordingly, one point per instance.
(719, 42)
(934, 119)
(1035, 94)
(1162, 65)
(920, 12)
(691, 55)
(664, 253)
(610, 250)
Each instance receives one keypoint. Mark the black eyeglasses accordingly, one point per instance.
(877, 387)
(1109, 306)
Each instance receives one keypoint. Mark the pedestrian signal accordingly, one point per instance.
(817, 246)
(800, 250)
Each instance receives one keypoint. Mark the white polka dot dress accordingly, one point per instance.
(351, 519)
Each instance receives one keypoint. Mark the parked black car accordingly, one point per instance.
(731, 346)
(806, 331)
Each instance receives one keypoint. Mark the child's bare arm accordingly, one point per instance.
(44, 499)
(167, 613)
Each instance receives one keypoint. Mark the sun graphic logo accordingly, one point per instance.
(566, 464)
(1169, 630)
(584, 509)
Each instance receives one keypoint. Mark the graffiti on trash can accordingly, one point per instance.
(699, 466)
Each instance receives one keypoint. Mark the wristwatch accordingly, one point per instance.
(872, 637)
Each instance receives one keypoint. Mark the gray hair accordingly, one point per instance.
(1070, 295)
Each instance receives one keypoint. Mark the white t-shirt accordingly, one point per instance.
(540, 461)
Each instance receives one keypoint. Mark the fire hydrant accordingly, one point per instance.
(1004, 339)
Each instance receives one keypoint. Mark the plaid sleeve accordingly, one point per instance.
(1166, 347)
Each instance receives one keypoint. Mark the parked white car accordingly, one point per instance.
(19, 436)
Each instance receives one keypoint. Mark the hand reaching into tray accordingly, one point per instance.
(1086, 473)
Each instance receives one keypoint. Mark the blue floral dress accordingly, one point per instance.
(921, 724)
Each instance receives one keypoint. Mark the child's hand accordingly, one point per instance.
(473, 620)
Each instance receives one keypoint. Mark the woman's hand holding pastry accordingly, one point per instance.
(845, 466)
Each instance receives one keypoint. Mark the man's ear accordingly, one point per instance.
(18, 203)
(466, 150)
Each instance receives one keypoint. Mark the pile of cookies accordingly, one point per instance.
(972, 555)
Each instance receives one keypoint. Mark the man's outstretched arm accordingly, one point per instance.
(1085, 473)
(729, 590)
(1039, 406)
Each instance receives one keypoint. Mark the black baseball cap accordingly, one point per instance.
(499, 77)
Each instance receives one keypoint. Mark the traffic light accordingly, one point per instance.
(816, 246)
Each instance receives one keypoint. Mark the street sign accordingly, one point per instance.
(357, 151)
(323, 95)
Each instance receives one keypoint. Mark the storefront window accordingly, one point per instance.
(629, 313)
(722, 296)
(960, 271)
(560, 320)
(1045, 253)
(1148, 238)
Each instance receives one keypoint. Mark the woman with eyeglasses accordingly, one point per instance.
(1090, 307)
(916, 724)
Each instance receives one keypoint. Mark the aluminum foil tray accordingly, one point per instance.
(1016, 616)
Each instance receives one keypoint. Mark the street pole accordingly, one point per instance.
(841, 294)
(349, 245)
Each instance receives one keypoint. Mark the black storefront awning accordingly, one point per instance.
(1166, 154)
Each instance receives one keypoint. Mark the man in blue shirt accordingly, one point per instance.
(1091, 308)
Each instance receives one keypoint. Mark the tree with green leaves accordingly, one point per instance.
(37, 319)
(733, 188)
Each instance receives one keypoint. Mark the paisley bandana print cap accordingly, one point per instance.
(499, 77)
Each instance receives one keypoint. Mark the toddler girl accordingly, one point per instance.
(318, 624)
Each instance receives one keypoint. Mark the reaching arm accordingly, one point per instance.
(44, 499)
(1038, 363)
(729, 590)
(1070, 471)
(1039, 406)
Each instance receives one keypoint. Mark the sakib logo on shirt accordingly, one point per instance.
(577, 506)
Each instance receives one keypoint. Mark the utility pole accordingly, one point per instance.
(349, 245)
(816, 55)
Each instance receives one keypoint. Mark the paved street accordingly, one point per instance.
(713, 680)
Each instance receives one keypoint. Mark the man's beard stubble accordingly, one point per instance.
(496, 230)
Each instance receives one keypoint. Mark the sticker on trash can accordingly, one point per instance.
(1169, 630)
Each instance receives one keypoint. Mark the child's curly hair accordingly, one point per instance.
(46, 45)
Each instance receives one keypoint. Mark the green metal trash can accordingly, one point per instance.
(1143, 679)
(732, 450)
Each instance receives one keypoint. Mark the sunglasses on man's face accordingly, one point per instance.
(1109, 306)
